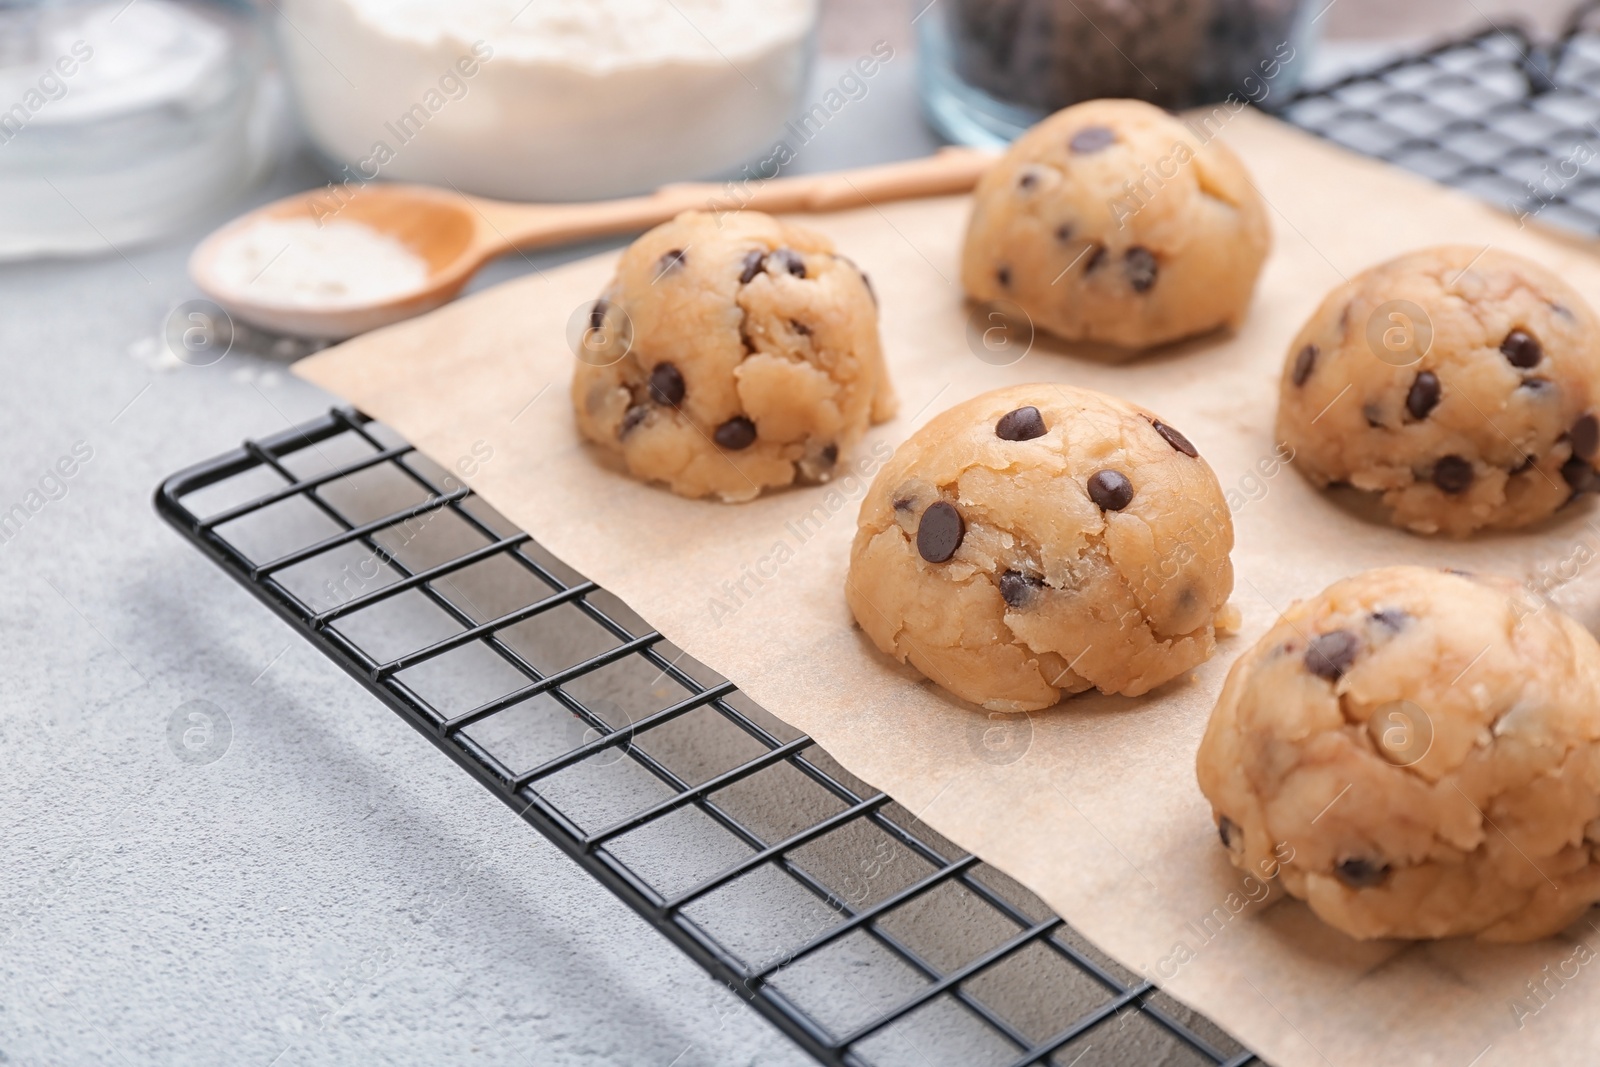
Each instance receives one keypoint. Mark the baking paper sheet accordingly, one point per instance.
(1092, 804)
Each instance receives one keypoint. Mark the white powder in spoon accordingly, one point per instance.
(297, 263)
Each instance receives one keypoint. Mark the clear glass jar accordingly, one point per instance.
(989, 69)
(125, 122)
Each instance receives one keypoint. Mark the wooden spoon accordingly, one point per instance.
(456, 234)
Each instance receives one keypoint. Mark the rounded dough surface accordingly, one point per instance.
(751, 358)
(1111, 221)
(1427, 746)
(1041, 540)
(1457, 383)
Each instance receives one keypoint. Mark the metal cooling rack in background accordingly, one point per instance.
(1498, 114)
(855, 929)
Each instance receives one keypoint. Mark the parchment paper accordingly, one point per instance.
(1100, 815)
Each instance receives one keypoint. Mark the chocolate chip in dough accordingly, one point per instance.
(1391, 618)
(788, 259)
(1423, 396)
(1027, 180)
(1226, 829)
(631, 418)
(1453, 474)
(1522, 349)
(1019, 589)
(1139, 264)
(1003, 276)
(671, 261)
(1023, 424)
(1305, 361)
(940, 532)
(666, 385)
(1064, 232)
(1360, 873)
(1092, 139)
(1110, 489)
(738, 432)
(1097, 257)
(1331, 654)
(753, 261)
(1580, 476)
(1174, 438)
(1585, 436)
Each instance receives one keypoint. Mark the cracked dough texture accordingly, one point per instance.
(758, 320)
(1474, 809)
(1116, 600)
(1383, 423)
(1140, 236)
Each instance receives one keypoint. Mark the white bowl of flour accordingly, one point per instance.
(545, 99)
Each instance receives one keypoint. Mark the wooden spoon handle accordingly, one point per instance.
(949, 171)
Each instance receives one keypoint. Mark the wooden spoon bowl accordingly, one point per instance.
(455, 234)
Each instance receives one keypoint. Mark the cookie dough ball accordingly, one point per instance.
(1111, 221)
(1418, 753)
(1041, 540)
(731, 353)
(1458, 383)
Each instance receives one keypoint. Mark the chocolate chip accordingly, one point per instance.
(738, 432)
(671, 261)
(1330, 655)
(789, 260)
(1580, 476)
(1111, 490)
(1092, 139)
(1360, 873)
(1097, 257)
(1226, 828)
(1023, 424)
(829, 454)
(940, 531)
(800, 328)
(1027, 180)
(1390, 618)
(1423, 396)
(1585, 436)
(666, 385)
(1003, 276)
(1064, 232)
(1174, 438)
(1537, 385)
(1453, 474)
(1522, 349)
(1139, 264)
(752, 266)
(631, 418)
(1305, 361)
(597, 315)
(1018, 589)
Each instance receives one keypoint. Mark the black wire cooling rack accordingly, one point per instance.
(846, 922)
(1500, 114)
(855, 929)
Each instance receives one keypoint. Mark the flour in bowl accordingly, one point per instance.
(298, 263)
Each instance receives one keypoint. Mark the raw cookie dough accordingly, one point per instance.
(1111, 221)
(1427, 745)
(1041, 540)
(1459, 383)
(752, 357)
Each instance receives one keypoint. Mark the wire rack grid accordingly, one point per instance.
(854, 928)
(1499, 114)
